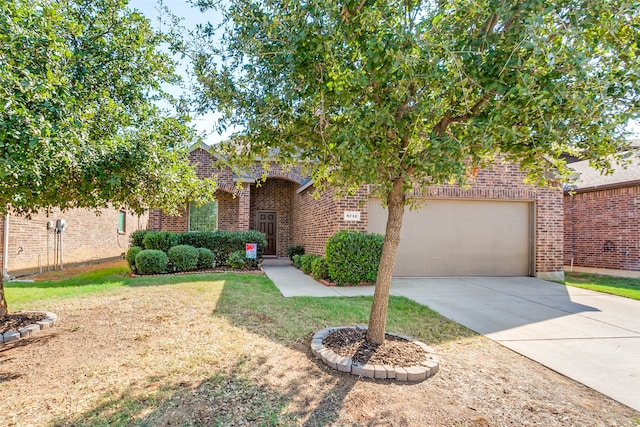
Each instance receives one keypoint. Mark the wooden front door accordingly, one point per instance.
(267, 223)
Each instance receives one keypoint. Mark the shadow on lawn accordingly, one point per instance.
(226, 398)
(222, 399)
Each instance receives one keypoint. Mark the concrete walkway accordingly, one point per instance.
(590, 337)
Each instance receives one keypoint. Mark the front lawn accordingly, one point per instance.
(251, 300)
(229, 350)
(621, 286)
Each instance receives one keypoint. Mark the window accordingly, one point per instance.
(122, 222)
(203, 217)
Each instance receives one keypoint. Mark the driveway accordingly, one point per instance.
(591, 337)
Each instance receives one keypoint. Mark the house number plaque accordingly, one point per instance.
(351, 216)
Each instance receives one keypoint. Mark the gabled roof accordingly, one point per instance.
(591, 180)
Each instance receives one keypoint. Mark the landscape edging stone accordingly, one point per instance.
(420, 372)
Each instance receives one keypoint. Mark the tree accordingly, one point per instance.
(79, 124)
(408, 93)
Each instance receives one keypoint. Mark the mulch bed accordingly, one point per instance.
(394, 351)
(15, 321)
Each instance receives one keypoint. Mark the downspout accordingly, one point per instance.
(5, 250)
(573, 235)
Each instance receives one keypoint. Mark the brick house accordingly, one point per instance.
(30, 245)
(498, 226)
(601, 220)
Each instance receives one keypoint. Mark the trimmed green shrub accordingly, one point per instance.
(137, 237)
(305, 262)
(199, 239)
(295, 250)
(151, 261)
(353, 257)
(224, 243)
(237, 260)
(296, 260)
(319, 268)
(183, 257)
(131, 256)
(206, 258)
(160, 240)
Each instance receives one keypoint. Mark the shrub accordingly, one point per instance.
(131, 256)
(305, 262)
(151, 261)
(224, 243)
(183, 257)
(237, 260)
(137, 237)
(353, 257)
(319, 268)
(198, 239)
(296, 260)
(295, 250)
(160, 240)
(206, 258)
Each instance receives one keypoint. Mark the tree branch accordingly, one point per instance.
(447, 120)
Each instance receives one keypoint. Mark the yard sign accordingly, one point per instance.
(251, 250)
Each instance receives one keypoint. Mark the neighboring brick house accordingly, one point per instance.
(497, 226)
(31, 245)
(601, 219)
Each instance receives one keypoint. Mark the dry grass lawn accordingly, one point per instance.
(195, 353)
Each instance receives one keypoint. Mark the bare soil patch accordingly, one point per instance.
(165, 355)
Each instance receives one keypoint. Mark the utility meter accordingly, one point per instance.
(61, 224)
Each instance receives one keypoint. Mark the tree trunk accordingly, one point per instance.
(3, 302)
(378, 317)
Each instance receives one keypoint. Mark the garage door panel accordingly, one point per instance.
(461, 238)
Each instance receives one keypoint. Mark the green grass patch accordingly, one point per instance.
(621, 286)
(250, 301)
(22, 295)
(265, 311)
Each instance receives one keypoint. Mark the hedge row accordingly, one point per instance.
(179, 258)
(193, 250)
(351, 258)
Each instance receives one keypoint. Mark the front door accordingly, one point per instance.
(267, 223)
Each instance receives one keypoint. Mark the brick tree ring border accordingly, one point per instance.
(427, 368)
(27, 331)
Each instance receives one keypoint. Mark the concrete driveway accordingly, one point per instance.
(590, 337)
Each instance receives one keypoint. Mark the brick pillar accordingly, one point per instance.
(244, 207)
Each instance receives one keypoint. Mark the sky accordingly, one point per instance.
(191, 17)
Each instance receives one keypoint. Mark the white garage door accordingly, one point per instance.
(461, 238)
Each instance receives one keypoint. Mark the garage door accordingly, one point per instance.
(461, 238)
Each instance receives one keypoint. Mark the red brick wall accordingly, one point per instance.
(227, 211)
(87, 238)
(233, 202)
(314, 220)
(549, 237)
(602, 229)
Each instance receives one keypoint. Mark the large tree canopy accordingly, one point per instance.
(403, 93)
(79, 125)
